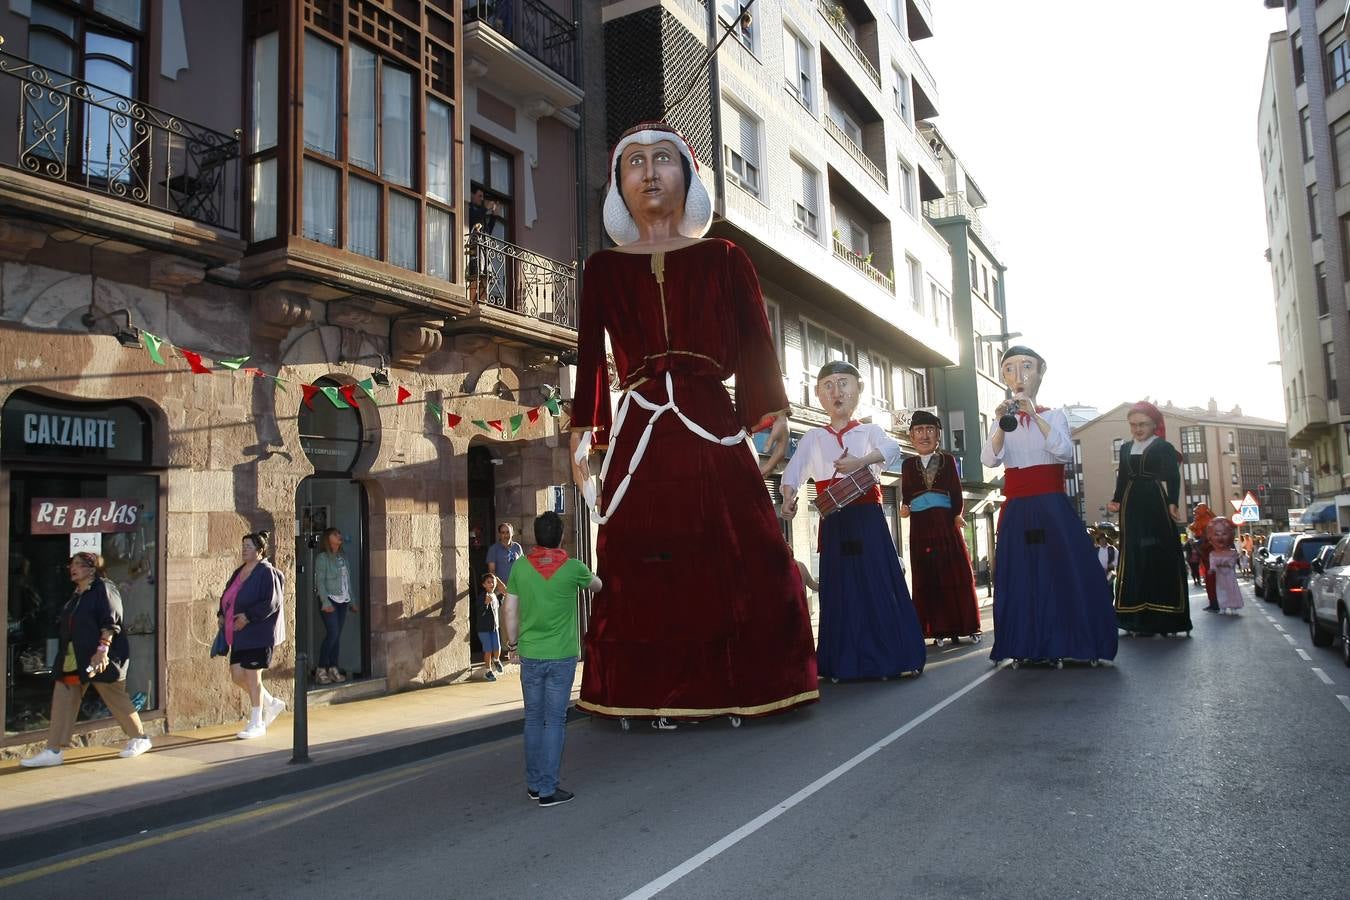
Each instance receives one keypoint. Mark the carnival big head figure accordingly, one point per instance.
(1220, 533)
(1021, 370)
(924, 431)
(655, 193)
(1199, 527)
(839, 388)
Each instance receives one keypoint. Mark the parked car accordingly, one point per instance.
(1328, 588)
(1278, 545)
(1286, 574)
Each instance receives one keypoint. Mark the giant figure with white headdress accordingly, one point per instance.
(703, 611)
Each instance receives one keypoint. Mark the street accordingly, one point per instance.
(1214, 766)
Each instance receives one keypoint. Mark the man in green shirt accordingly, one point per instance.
(541, 627)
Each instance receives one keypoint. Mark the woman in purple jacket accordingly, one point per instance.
(250, 613)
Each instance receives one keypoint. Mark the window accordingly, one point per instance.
(1320, 278)
(900, 94)
(263, 138)
(819, 346)
(882, 383)
(1233, 472)
(851, 231)
(1329, 363)
(915, 388)
(846, 121)
(775, 317)
(915, 281)
(994, 299)
(1297, 46)
(741, 133)
(1305, 132)
(1192, 441)
(1338, 65)
(1340, 139)
(974, 274)
(984, 280)
(1231, 446)
(1312, 213)
(805, 202)
(1115, 449)
(958, 440)
(907, 192)
(744, 30)
(492, 170)
(797, 59)
(1345, 245)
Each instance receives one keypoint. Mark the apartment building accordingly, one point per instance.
(1225, 455)
(807, 124)
(1303, 138)
(968, 393)
(236, 297)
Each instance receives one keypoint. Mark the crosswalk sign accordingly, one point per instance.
(1250, 512)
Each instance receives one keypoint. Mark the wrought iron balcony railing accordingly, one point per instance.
(502, 274)
(76, 132)
(844, 252)
(532, 27)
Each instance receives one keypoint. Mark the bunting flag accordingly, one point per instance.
(255, 372)
(452, 420)
(495, 425)
(195, 361)
(435, 410)
(152, 345)
(481, 424)
(403, 394)
(309, 390)
(368, 386)
(233, 363)
(553, 408)
(277, 383)
(348, 392)
(334, 397)
(515, 423)
(533, 415)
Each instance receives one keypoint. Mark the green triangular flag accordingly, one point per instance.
(368, 386)
(332, 394)
(553, 408)
(233, 363)
(481, 424)
(152, 345)
(436, 410)
(278, 383)
(515, 423)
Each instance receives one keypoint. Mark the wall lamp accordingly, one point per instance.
(381, 374)
(130, 336)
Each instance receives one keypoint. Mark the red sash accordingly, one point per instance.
(1028, 481)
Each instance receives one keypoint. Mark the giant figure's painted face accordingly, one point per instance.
(839, 394)
(1022, 374)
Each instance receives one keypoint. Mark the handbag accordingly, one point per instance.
(218, 646)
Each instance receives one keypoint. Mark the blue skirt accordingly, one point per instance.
(868, 627)
(1051, 600)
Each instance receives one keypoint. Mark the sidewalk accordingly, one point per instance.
(95, 796)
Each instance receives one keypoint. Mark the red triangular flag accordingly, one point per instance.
(451, 420)
(310, 391)
(255, 372)
(533, 415)
(348, 392)
(403, 394)
(195, 361)
(497, 424)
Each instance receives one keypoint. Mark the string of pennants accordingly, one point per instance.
(345, 396)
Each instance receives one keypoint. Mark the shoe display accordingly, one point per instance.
(48, 757)
(272, 710)
(558, 796)
(135, 747)
(252, 731)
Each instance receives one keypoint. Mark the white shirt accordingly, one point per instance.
(818, 449)
(1104, 557)
(923, 459)
(1028, 447)
(1137, 447)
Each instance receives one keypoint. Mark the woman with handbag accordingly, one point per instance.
(333, 587)
(92, 650)
(250, 614)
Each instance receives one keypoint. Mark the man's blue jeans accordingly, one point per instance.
(547, 687)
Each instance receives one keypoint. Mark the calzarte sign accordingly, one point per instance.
(57, 515)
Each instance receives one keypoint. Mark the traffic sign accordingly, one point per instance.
(1250, 512)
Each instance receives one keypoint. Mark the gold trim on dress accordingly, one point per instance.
(761, 709)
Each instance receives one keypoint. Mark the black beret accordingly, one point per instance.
(1020, 350)
(924, 417)
(838, 367)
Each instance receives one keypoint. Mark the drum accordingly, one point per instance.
(844, 490)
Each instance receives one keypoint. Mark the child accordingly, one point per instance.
(485, 623)
(1223, 566)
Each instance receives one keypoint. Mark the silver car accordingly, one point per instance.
(1328, 597)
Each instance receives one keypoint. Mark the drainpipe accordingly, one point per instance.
(715, 115)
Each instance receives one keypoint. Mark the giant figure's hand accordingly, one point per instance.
(580, 470)
(777, 445)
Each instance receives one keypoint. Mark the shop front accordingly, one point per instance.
(77, 476)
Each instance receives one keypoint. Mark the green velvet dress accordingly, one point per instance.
(1151, 590)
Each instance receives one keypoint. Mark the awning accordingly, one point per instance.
(1319, 512)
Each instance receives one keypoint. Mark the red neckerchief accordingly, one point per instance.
(1025, 418)
(839, 435)
(547, 560)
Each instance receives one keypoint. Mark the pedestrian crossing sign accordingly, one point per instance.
(1250, 512)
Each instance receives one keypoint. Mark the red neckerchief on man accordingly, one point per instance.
(547, 560)
(1025, 418)
(839, 435)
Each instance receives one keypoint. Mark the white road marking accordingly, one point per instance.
(656, 886)
(1291, 639)
(1303, 654)
(1345, 701)
(1278, 626)
(1326, 679)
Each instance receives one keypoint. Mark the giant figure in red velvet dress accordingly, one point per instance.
(703, 611)
(930, 496)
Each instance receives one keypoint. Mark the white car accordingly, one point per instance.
(1328, 597)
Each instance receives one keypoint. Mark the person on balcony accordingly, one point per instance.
(703, 611)
(1051, 602)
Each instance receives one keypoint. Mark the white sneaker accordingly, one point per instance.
(252, 731)
(48, 757)
(272, 710)
(135, 747)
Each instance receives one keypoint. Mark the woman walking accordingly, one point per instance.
(250, 613)
(333, 586)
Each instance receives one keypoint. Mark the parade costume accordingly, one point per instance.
(1151, 592)
(1050, 599)
(944, 583)
(868, 626)
(703, 612)
(1223, 560)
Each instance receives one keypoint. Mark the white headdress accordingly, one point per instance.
(697, 204)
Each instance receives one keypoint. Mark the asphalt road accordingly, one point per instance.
(1215, 766)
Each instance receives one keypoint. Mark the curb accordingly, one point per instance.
(33, 846)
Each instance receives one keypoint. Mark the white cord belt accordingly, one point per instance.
(588, 489)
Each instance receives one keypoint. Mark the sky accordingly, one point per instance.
(1116, 143)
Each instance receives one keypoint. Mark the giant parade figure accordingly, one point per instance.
(1051, 602)
(703, 612)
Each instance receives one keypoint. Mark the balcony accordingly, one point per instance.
(856, 152)
(860, 263)
(524, 48)
(503, 275)
(77, 133)
(954, 206)
(835, 16)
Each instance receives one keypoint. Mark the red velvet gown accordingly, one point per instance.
(944, 585)
(702, 612)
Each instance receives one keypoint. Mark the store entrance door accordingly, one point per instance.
(322, 503)
(482, 523)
